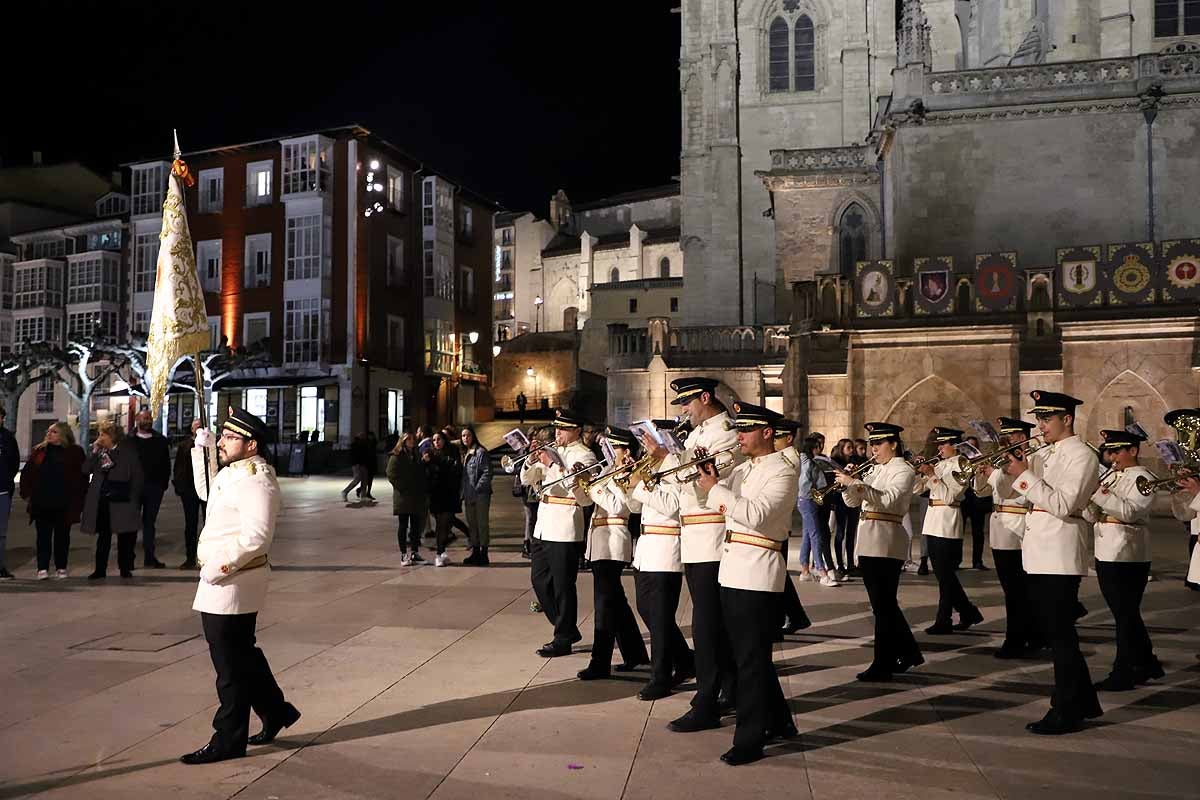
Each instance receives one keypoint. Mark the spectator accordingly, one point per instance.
(371, 455)
(522, 401)
(185, 489)
(408, 472)
(53, 484)
(425, 440)
(811, 477)
(846, 457)
(477, 496)
(445, 485)
(113, 502)
(10, 464)
(452, 438)
(862, 451)
(154, 453)
(360, 457)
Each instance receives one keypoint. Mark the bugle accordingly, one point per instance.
(997, 458)
(656, 478)
(1148, 486)
(510, 464)
(586, 483)
(818, 495)
(571, 476)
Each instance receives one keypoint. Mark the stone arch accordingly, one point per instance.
(931, 401)
(818, 12)
(962, 297)
(563, 295)
(1126, 389)
(874, 228)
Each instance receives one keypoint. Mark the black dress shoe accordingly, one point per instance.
(939, 629)
(972, 617)
(796, 625)
(1054, 724)
(980, 567)
(1115, 683)
(593, 673)
(271, 729)
(1143, 674)
(875, 674)
(188, 565)
(654, 691)
(736, 756)
(726, 706)
(1007, 651)
(629, 666)
(683, 675)
(97, 576)
(691, 722)
(126, 573)
(923, 569)
(554, 650)
(788, 731)
(209, 754)
(905, 663)
(155, 564)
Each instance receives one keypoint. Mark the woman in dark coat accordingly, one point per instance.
(445, 491)
(53, 484)
(114, 496)
(407, 471)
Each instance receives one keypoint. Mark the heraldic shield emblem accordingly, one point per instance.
(1181, 269)
(934, 279)
(1131, 274)
(996, 282)
(1078, 276)
(874, 289)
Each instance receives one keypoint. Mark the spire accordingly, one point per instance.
(914, 46)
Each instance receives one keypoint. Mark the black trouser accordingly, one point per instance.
(977, 515)
(790, 607)
(1191, 547)
(191, 525)
(715, 668)
(125, 541)
(1055, 605)
(53, 530)
(1123, 583)
(409, 528)
(152, 497)
(657, 601)
(847, 533)
(442, 521)
(613, 618)
(553, 572)
(893, 638)
(1020, 630)
(946, 554)
(761, 705)
(244, 679)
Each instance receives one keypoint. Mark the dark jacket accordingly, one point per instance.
(125, 478)
(409, 477)
(477, 474)
(10, 459)
(181, 475)
(35, 485)
(445, 482)
(154, 455)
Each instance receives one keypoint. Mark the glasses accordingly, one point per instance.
(233, 437)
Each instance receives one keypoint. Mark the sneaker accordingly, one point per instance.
(406, 560)
(5, 575)
(61, 574)
(805, 577)
(829, 580)
(345, 496)
(416, 558)
(442, 560)
(43, 574)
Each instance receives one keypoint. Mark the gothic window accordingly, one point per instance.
(1040, 296)
(805, 46)
(852, 238)
(963, 299)
(664, 268)
(1176, 18)
(615, 275)
(778, 46)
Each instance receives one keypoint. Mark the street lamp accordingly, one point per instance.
(537, 313)
(473, 336)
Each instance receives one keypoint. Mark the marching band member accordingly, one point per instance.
(559, 528)
(1121, 515)
(658, 583)
(702, 535)
(884, 495)
(1182, 507)
(610, 550)
(1054, 552)
(791, 611)
(944, 535)
(914, 522)
(756, 499)
(1006, 528)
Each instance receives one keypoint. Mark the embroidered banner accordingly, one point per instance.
(933, 285)
(1079, 276)
(1181, 269)
(1131, 274)
(996, 282)
(874, 289)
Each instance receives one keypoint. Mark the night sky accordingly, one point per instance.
(516, 99)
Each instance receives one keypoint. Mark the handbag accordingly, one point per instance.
(115, 491)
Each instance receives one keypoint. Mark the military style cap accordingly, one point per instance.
(878, 431)
(1115, 440)
(786, 427)
(568, 419)
(245, 424)
(618, 437)
(1010, 425)
(1053, 403)
(748, 417)
(947, 435)
(687, 389)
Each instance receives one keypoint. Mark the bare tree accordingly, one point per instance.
(17, 373)
(84, 366)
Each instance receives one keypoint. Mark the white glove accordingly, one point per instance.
(206, 438)
(1092, 513)
(211, 573)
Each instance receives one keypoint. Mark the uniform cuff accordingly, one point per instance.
(1025, 481)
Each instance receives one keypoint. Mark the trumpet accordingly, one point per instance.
(968, 467)
(1147, 486)
(818, 495)
(920, 462)
(570, 476)
(637, 472)
(586, 483)
(510, 464)
(656, 478)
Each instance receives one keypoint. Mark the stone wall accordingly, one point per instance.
(554, 374)
(646, 394)
(829, 403)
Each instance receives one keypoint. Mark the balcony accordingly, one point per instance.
(439, 363)
(472, 371)
(698, 346)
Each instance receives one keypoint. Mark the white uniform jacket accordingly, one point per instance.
(884, 496)
(702, 535)
(1006, 526)
(1181, 508)
(239, 524)
(1121, 515)
(1057, 537)
(609, 538)
(757, 499)
(658, 548)
(944, 518)
(1194, 566)
(560, 513)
